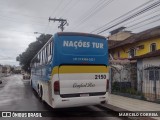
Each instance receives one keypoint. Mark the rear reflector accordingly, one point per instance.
(56, 87)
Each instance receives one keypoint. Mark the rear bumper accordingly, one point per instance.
(59, 102)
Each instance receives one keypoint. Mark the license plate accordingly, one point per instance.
(84, 95)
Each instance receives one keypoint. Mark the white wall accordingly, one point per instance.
(149, 84)
(151, 61)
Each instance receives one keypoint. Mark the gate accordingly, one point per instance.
(151, 83)
(141, 83)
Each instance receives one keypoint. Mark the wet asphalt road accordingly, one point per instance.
(17, 95)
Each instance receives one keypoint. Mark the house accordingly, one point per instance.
(137, 44)
(112, 42)
(6, 69)
(141, 75)
(148, 75)
(119, 34)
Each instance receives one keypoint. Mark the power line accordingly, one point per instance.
(122, 16)
(132, 16)
(97, 10)
(97, 4)
(69, 9)
(72, 6)
(142, 17)
(63, 7)
(92, 10)
(146, 24)
(144, 21)
(67, 4)
(54, 11)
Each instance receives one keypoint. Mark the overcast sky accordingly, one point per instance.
(19, 19)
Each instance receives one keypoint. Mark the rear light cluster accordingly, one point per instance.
(56, 87)
(107, 85)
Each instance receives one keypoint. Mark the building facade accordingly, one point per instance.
(137, 44)
(148, 75)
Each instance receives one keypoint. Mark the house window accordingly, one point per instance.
(132, 53)
(153, 47)
(154, 75)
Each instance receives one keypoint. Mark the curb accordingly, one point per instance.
(118, 109)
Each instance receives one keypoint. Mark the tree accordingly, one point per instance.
(26, 57)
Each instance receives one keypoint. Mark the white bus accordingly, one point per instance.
(72, 70)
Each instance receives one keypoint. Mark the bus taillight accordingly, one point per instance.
(56, 87)
(107, 85)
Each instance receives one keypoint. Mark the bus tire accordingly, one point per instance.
(41, 93)
(38, 89)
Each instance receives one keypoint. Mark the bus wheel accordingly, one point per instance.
(38, 90)
(41, 93)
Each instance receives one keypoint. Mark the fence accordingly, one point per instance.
(151, 82)
(137, 82)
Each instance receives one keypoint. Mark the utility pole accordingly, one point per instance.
(63, 22)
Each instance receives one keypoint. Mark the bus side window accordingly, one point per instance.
(51, 48)
(38, 60)
(35, 61)
(45, 55)
(41, 58)
(34, 64)
(49, 51)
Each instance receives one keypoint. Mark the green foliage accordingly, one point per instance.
(26, 57)
(121, 88)
(115, 86)
(131, 91)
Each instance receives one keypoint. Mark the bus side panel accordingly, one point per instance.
(34, 78)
